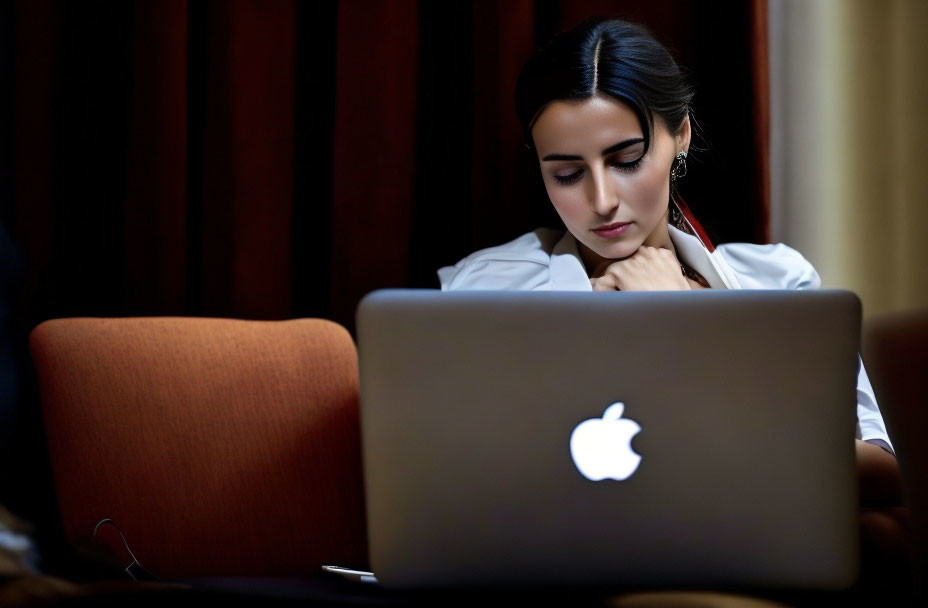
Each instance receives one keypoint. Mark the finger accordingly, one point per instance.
(607, 282)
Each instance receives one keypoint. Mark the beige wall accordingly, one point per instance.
(849, 143)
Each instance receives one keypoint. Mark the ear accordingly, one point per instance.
(683, 136)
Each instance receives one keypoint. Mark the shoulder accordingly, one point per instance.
(769, 266)
(522, 263)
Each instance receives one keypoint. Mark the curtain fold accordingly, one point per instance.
(156, 189)
(248, 159)
(504, 40)
(760, 105)
(374, 149)
(32, 134)
(848, 139)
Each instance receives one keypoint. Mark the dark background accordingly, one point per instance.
(280, 159)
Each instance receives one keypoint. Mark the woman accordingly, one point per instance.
(607, 111)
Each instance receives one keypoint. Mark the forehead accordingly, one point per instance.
(594, 124)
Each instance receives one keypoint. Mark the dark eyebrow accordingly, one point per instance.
(613, 148)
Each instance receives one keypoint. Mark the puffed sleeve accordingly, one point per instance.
(870, 425)
(522, 264)
(769, 266)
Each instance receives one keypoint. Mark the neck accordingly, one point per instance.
(660, 236)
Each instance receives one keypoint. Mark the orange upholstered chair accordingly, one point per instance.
(219, 447)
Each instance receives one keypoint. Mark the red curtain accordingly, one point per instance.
(281, 159)
(760, 71)
(374, 149)
(156, 157)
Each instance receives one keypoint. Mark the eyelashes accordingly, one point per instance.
(628, 167)
(567, 179)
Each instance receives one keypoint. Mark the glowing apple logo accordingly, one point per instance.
(602, 447)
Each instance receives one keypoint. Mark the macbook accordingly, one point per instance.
(632, 439)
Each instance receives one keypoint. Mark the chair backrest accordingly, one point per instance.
(895, 351)
(219, 447)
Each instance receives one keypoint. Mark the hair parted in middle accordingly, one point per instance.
(611, 58)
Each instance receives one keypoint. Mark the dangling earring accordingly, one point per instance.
(675, 215)
(678, 168)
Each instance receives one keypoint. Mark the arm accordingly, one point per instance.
(878, 476)
(886, 550)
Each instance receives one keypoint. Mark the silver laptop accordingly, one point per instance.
(643, 439)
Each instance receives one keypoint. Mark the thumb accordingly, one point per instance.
(604, 283)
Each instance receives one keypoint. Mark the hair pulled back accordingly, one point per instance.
(611, 58)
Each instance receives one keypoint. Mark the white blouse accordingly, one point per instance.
(548, 259)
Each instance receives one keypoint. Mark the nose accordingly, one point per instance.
(603, 199)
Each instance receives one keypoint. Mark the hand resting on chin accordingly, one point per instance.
(648, 269)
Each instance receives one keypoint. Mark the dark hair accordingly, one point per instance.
(605, 57)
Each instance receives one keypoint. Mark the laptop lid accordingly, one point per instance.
(674, 438)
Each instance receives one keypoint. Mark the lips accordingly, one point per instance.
(610, 231)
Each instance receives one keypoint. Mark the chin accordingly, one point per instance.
(617, 251)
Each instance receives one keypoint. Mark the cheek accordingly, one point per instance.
(566, 201)
(651, 186)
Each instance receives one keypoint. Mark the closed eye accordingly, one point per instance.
(568, 179)
(629, 166)
(623, 166)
